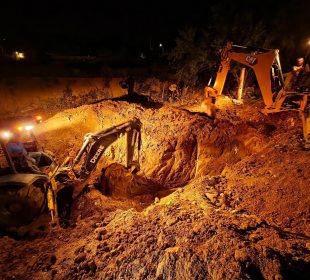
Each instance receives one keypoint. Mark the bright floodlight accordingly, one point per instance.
(28, 127)
(6, 134)
(19, 55)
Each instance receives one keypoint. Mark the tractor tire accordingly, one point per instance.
(20, 205)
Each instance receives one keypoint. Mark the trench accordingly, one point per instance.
(201, 147)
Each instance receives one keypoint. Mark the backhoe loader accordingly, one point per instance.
(22, 189)
(25, 195)
(278, 94)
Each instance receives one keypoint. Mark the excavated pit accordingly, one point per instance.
(177, 146)
(214, 199)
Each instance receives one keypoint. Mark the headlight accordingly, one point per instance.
(6, 134)
(29, 127)
(39, 119)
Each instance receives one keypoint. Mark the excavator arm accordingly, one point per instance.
(95, 144)
(266, 66)
(260, 60)
(69, 179)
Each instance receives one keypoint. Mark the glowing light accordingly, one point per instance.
(160, 45)
(20, 128)
(38, 119)
(19, 55)
(6, 134)
(28, 127)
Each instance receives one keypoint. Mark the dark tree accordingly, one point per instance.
(248, 23)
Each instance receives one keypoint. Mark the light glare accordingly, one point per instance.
(6, 134)
(28, 127)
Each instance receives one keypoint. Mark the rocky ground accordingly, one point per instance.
(214, 199)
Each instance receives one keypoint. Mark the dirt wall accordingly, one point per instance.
(20, 95)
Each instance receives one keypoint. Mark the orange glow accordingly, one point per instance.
(20, 128)
(38, 119)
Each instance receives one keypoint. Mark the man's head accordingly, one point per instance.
(300, 61)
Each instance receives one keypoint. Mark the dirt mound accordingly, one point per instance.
(176, 145)
(239, 207)
(261, 185)
(188, 233)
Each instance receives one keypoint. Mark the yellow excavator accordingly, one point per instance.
(25, 195)
(278, 94)
(69, 178)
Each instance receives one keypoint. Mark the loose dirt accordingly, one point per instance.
(214, 199)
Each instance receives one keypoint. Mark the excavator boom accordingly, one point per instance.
(95, 144)
(69, 179)
(260, 60)
(267, 68)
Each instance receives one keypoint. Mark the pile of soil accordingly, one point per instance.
(214, 199)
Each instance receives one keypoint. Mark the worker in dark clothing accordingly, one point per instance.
(301, 66)
(294, 77)
(130, 85)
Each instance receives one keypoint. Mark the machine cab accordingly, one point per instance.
(24, 128)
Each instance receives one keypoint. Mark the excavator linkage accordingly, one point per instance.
(265, 63)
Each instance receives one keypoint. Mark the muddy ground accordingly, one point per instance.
(214, 199)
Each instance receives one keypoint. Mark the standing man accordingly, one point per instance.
(292, 78)
(301, 67)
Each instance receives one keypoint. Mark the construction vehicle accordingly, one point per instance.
(25, 195)
(71, 176)
(22, 190)
(278, 94)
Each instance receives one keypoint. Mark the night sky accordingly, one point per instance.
(86, 26)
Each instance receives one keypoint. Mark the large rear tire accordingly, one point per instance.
(19, 205)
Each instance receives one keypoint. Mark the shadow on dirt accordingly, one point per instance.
(141, 100)
(202, 114)
(135, 98)
(116, 181)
